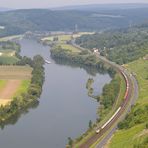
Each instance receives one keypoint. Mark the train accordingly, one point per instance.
(118, 110)
(48, 62)
(127, 85)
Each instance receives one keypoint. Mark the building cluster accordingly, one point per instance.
(96, 50)
(146, 57)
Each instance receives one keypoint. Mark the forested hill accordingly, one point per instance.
(20, 21)
(119, 46)
(98, 7)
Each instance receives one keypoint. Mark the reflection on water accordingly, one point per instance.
(90, 70)
(16, 116)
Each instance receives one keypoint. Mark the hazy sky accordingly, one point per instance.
(55, 3)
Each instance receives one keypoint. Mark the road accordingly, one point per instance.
(114, 127)
(109, 130)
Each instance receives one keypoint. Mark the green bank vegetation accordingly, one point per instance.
(109, 96)
(112, 95)
(25, 98)
(89, 87)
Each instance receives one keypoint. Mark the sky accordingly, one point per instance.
(58, 3)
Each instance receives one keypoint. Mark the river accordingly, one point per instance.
(64, 109)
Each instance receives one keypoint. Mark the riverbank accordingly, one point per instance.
(20, 94)
(89, 59)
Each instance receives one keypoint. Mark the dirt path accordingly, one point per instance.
(8, 91)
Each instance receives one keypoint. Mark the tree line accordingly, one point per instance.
(82, 58)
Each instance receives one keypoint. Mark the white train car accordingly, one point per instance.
(117, 111)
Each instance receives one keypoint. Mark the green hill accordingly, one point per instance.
(20, 21)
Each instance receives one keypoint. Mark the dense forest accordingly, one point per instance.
(20, 21)
(83, 57)
(119, 46)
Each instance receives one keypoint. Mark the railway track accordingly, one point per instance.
(112, 120)
(111, 124)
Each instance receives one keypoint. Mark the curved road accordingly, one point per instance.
(126, 106)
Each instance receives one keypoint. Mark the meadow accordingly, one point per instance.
(10, 37)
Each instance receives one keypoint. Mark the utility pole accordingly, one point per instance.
(76, 28)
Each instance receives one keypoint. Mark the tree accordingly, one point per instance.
(70, 141)
(146, 126)
(90, 124)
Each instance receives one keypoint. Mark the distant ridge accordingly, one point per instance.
(94, 7)
(21, 21)
(2, 9)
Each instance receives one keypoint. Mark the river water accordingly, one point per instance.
(64, 109)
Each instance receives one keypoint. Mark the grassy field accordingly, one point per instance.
(15, 72)
(2, 84)
(8, 60)
(126, 138)
(23, 87)
(69, 47)
(82, 33)
(140, 68)
(14, 80)
(10, 37)
(61, 38)
(8, 57)
(7, 53)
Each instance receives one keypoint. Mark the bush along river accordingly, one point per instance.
(64, 109)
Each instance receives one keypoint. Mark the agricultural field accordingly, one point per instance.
(10, 38)
(8, 52)
(79, 34)
(134, 136)
(61, 38)
(66, 37)
(69, 47)
(14, 80)
(15, 72)
(8, 60)
(8, 57)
